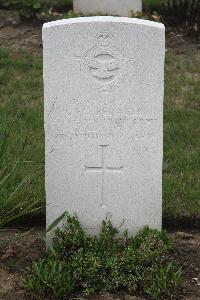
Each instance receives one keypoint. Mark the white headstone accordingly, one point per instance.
(103, 83)
(108, 7)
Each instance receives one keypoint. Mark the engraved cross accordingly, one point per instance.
(103, 169)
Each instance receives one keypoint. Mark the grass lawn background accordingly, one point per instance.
(21, 93)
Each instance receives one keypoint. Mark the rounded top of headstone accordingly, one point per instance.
(104, 19)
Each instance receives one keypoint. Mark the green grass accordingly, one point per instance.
(181, 186)
(21, 91)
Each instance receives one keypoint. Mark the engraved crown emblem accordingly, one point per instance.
(104, 65)
(104, 40)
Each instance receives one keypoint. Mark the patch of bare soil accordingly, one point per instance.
(20, 247)
(187, 253)
(19, 36)
(179, 42)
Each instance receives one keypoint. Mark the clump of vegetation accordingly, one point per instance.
(182, 13)
(51, 278)
(26, 9)
(109, 262)
(32, 9)
(152, 6)
(61, 6)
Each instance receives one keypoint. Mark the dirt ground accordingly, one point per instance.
(20, 247)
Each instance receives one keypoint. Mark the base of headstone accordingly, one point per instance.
(124, 8)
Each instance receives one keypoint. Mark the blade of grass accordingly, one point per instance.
(57, 221)
(15, 191)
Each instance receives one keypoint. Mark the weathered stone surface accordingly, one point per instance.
(103, 83)
(122, 8)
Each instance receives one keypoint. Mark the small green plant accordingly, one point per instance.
(61, 6)
(109, 262)
(167, 278)
(152, 5)
(50, 278)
